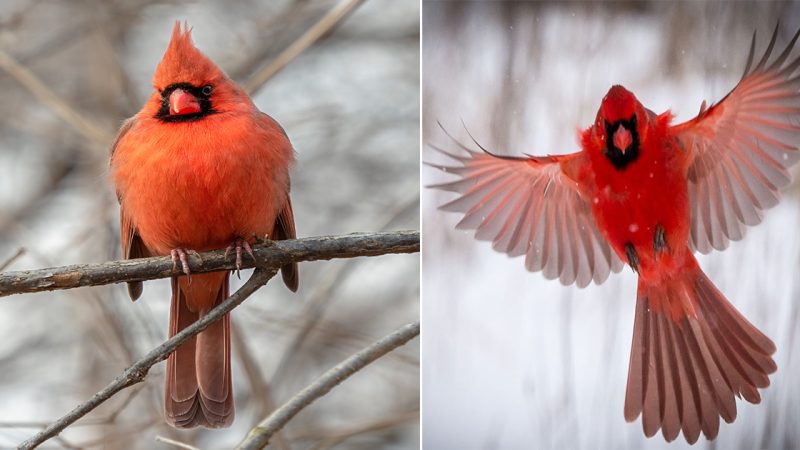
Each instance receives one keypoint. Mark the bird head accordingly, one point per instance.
(619, 126)
(188, 85)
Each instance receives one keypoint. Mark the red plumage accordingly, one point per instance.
(649, 193)
(199, 168)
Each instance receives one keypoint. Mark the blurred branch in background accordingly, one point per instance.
(176, 443)
(326, 24)
(12, 258)
(82, 125)
(331, 439)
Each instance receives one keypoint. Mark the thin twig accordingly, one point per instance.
(319, 29)
(28, 79)
(137, 372)
(12, 258)
(272, 254)
(259, 436)
(175, 443)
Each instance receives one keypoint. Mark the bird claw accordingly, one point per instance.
(179, 254)
(237, 246)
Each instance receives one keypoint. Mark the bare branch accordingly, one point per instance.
(269, 255)
(259, 436)
(330, 20)
(137, 372)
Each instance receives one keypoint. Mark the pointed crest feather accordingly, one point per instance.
(183, 62)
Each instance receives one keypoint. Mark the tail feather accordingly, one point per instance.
(692, 353)
(198, 388)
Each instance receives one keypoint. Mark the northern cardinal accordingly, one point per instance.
(649, 193)
(200, 168)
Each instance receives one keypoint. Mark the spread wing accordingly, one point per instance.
(741, 148)
(132, 245)
(529, 206)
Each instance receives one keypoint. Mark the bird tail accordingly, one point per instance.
(692, 352)
(198, 388)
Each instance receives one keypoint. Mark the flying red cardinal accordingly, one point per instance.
(200, 168)
(650, 193)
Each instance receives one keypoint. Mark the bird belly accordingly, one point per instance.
(632, 217)
(202, 197)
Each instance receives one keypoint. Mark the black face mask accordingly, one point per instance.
(202, 94)
(616, 156)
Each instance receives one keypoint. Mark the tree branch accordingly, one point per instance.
(259, 436)
(269, 255)
(136, 373)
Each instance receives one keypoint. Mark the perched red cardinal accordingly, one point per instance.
(200, 168)
(650, 193)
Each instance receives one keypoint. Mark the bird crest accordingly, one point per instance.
(183, 62)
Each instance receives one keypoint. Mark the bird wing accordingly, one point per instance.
(284, 229)
(740, 149)
(132, 245)
(529, 206)
(284, 223)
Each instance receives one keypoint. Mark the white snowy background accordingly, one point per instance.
(512, 360)
(350, 105)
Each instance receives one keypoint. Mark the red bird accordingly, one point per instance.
(650, 193)
(200, 168)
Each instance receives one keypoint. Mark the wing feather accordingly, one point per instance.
(132, 245)
(284, 229)
(741, 148)
(529, 206)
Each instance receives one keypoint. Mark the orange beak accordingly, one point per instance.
(622, 138)
(182, 102)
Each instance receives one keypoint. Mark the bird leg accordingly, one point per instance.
(633, 257)
(237, 245)
(660, 244)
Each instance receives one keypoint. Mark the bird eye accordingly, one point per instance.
(207, 89)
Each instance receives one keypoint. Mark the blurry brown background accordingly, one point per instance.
(350, 105)
(512, 360)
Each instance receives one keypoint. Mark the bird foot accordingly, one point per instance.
(237, 246)
(180, 254)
